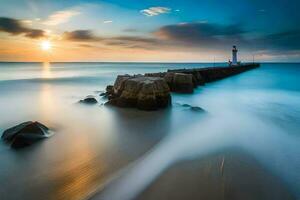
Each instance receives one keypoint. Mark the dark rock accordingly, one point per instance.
(193, 108)
(180, 82)
(145, 93)
(89, 100)
(183, 83)
(197, 77)
(109, 89)
(25, 134)
(169, 77)
(110, 94)
(186, 105)
(197, 109)
(119, 84)
(159, 74)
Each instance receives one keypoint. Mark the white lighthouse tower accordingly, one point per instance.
(234, 56)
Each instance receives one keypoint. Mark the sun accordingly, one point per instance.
(46, 45)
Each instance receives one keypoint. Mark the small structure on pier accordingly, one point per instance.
(234, 61)
(234, 55)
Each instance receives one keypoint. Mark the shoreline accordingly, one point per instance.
(139, 62)
(242, 177)
(227, 174)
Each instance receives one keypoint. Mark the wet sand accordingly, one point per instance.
(231, 174)
(54, 169)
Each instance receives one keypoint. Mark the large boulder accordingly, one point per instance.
(198, 79)
(145, 93)
(119, 84)
(25, 134)
(180, 82)
(158, 74)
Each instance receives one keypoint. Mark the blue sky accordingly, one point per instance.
(193, 30)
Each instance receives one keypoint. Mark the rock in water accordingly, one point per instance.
(89, 100)
(145, 93)
(197, 109)
(192, 108)
(25, 134)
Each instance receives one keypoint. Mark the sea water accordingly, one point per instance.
(258, 111)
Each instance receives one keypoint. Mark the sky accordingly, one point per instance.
(149, 30)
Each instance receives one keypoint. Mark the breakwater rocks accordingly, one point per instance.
(206, 75)
(198, 76)
(151, 91)
(142, 92)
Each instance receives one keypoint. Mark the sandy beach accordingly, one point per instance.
(230, 174)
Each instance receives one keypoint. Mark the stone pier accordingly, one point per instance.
(151, 91)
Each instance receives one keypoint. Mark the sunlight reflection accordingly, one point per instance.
(46, 73)
(80, 168)
(78, 175)
(47, 104)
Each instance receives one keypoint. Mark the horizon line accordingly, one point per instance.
(150, 62)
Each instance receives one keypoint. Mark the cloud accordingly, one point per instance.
(16, 27)
(216, 36)
(12, 26)
(178, 36)
(27, 22)
(135, 39)
(198, 31)
(201, 34)
(133, 42)
(107, 21)
(121, 41)
(197, 36)
(130, 30)
(153, 11)
(35, 33)
(86, 45)
(60, 17)
(80, 35)
(285, 40)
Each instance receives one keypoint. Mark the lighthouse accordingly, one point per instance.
(234, 56)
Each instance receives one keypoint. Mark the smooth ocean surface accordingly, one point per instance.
(257, 111)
